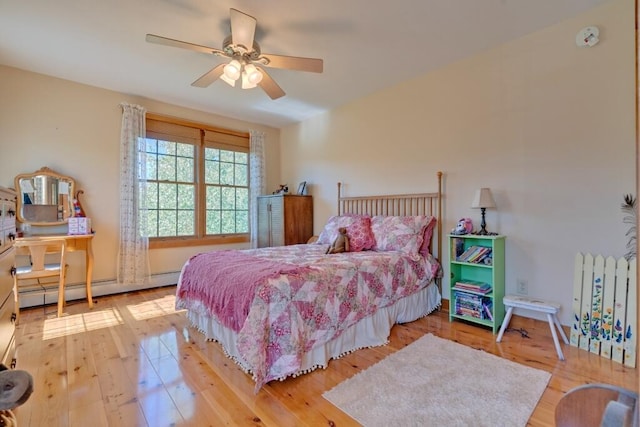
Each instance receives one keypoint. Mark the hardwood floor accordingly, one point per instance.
(134, 361)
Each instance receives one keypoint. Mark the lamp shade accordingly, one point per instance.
(227, 80)
(483, 199)
(232, 70)
(253, 74)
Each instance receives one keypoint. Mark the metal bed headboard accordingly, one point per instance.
(398, 204)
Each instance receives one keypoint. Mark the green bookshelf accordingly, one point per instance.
(476, 287)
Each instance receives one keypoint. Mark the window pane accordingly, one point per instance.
(185, 150)
(152, 166)
(152, 224)
(167, 223)
(167, 196)
(241, 175)
(242, 221)
(166, 168)
(211, 154)
(152, 145)
(213, 198)
(186, 223)
(242, 199)
(227, 156)
(213, 222)
(242, 158)
(226, 173)
(212, 172)
(166, 147)
(228, 222)
(185, 170)
(228, 198)
(186, 197)
(152, 195)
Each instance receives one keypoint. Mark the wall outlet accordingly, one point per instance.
(523, 287)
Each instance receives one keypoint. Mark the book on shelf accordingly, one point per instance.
(474, 254)
(472, 305)
(469, 301)
(467, 296)
(487, 311)
(463, 311)
(467, 253)
(484, 313)
(472, 286)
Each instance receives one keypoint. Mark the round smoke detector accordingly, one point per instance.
(588, 36)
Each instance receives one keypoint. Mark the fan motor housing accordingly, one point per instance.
(238, 50)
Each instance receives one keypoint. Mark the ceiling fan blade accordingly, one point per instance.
(313, 65)
(270, 86)
(243, 28)
(152, 38)
(209, 77)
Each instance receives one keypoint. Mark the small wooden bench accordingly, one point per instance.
(550, 308)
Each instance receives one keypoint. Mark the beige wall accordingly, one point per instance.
(75, 130)
(548, 126)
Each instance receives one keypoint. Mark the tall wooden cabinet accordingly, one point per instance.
(284, 220)
(7, 259)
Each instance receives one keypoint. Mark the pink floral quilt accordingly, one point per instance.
(298, 297)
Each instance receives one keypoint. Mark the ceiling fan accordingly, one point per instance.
(247, 59)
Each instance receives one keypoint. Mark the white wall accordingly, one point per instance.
(548, 126)
(75, 130)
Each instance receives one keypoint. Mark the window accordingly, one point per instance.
(197, 184)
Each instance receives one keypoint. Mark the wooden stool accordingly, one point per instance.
(533, 304)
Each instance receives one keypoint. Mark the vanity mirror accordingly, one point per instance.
(45, 197)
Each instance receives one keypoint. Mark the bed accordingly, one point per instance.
(284, 311)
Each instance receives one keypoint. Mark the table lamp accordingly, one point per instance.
(483, 200)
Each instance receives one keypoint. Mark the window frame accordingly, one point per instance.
(211, 137)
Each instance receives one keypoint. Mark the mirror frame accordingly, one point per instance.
(46, 172)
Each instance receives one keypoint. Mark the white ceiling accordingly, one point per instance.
(366, 45)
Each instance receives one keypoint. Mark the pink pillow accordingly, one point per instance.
(400, 233)
(428, 234)
(358, 231)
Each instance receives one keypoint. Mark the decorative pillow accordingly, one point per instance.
(360, 235)
(428, 234)
(399, 233)
(358, 231)
(330, 231)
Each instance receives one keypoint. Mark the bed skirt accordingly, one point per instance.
(372, 331)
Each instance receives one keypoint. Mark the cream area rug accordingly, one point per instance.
(437, 382)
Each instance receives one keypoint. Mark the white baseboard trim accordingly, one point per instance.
(77, 291)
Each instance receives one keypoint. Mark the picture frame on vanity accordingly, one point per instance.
(302, 188)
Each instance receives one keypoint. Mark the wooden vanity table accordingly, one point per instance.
(80, 242)
(45, 204)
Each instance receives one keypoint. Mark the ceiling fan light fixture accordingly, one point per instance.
(232, 70)
(253, 74)
(227, 80)
(245, 56)
(246, 82)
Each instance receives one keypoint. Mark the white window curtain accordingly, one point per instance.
(133, 254)
(256, 181)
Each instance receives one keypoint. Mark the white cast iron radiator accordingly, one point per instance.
(604, 307)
